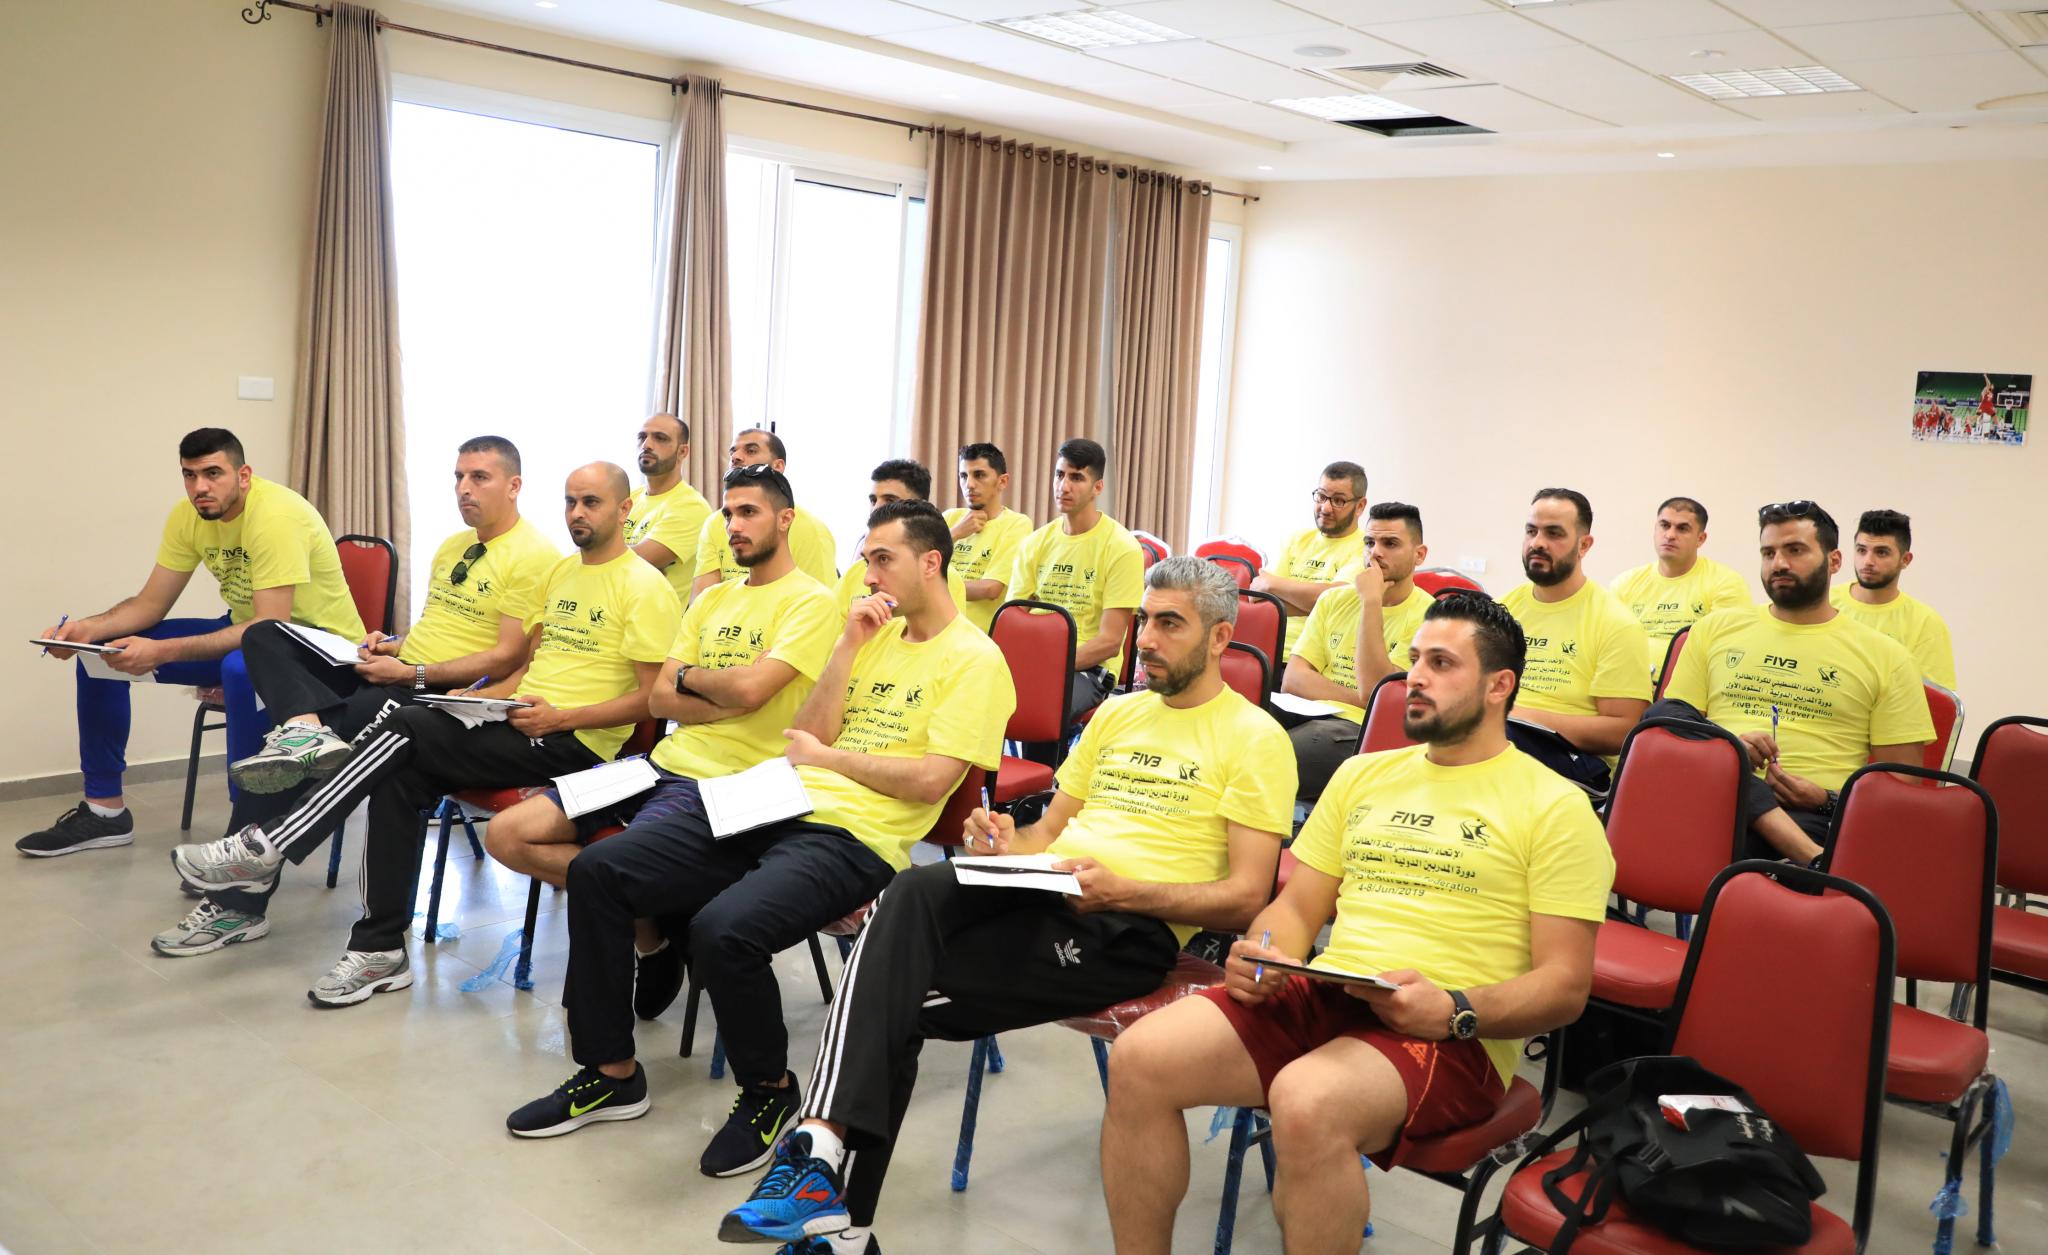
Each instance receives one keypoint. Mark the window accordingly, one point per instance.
(1212, 400)
(826, 270)
(525, 264)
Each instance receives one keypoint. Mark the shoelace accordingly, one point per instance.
(571, 1085)
(782, 1178)
(200, 916)
(350, 967)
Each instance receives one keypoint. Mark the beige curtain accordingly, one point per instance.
(693, 336)
(1011, 348)
(1161, 250)
(348, 431)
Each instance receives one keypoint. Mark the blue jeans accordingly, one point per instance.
(103, 707)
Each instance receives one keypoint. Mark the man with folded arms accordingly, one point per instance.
(600, 630)
(668, 515)
(810, 541)
(1169, 814)
(743, 663)
(274, 559)
(1462, 871)
(1667, 596)
(910, 698)
(986, 533)
(1884, 549)
(484, 582)
(1320, 558)
(1354, 638)
(1811, 693)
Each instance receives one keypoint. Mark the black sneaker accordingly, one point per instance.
(836, 1244)
(748, 1139)
(657, 979)
(79, 829)
(585, 1098)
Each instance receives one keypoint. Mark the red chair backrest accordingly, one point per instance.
(1127, 677)
(1246, 669)
(1436, 580)
(1674, 819)
(1231, 547)
(1767, 956)
(1946, 709)
(1037, 640)
(1929, 854)
(1385, 716)
(1262, 624)
(1240, 569)
(1671, 653)
(370, 565)
(1154, 548)
(2012, 765)
(952, 820)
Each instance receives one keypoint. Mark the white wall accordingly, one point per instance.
(1741, 337)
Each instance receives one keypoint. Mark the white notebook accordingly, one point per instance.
(335, 651)
(1302, 705)
(606, 784)
(472, 712)
(764, 794)
(1016, 871)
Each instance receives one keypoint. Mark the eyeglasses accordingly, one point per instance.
(469, 558)
(1322, 498)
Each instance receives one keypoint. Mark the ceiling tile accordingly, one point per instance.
(861, 17)
(1219, 69)
(1368, 12)
(1586, 80)
(1894, 37)
(1948, 84)
(1264, 120)
(1447, 38)
(1495, 108)
(1221, 19)
(1739, 50)
(1776, 13)
(1061, 67)
(1804, 108)
(987, 10)
(1646, 19)
(1358, 49)
(977, 45)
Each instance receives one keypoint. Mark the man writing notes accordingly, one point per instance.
(1322, 557)
(810, 541)
(1353, 639)
(668, 515)
(986, 533)
(1087, 564)
(1884, 549)
(1460, 871)
(1667, 595)
(273, 557)
(600, 632)
(1169, 814)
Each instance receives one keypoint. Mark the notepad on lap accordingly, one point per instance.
(96, 666)
(335, 651)
(1301, 705)
(1017, 871)
(1323, 974)
(472, 712)
(79, 647)
(767, 793)
(604, 785)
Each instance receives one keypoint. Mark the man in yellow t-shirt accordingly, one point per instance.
(668, 515)
(1811, 693)
(1169, 814)
(1884, 549)
(484, 582)
(273, 558)
(1668, 595)
(600, 629)
(1354, 638)
(910, 697)
(1322, 557)
(1459, 871)
(1585, 680)
(986, 534)
(1087, 564)
(898, 479)
(810, 541)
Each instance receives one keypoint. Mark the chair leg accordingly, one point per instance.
(1468, 1209)
(334, 852)
(1233, 1172)
(522, 971)
(717, 1054)
(995, 1054)
(1959, 1002)
(1684, 923)
(1101, 1062)
(1987, 1166)
(818, 962)
(476, 847)
(192, 767)
(845, 949)
(1262, 1133)
(690, 1016)
(963, 1152)
(445, 814)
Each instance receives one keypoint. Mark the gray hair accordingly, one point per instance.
(1213, 591)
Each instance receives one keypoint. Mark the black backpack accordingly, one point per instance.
(1728, 1179)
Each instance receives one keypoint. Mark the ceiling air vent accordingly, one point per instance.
(1408, 75)
(1397, 128)
(2030, 28)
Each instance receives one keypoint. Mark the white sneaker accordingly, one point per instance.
(207, 928)
(360, 974)
(292, 753)
(240, 860)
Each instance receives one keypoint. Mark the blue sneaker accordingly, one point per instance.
(799, 1198)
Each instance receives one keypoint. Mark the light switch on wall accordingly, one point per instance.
(255, 388)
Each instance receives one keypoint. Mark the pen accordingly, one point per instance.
(479, 684)
(988, 804)
(1774, 730)
(1259, 969)
(62, 619)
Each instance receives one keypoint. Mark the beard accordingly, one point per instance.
(1337, 525)
(654, 468)
(1559, 571)
(1440, 726)
(1878, 584)
(1178, 675)
(1803, 594)
(757, 554)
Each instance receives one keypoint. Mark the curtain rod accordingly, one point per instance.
(260, 12)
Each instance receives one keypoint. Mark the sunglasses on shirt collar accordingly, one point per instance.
(469, 559)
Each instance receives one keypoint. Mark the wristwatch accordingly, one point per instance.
(419, 678)
(1828, 807)
(1464, 1020)
(682, 684)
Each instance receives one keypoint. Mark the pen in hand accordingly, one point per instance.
(479, 684)
(1259, 969)
(63, 619)
(988, 807)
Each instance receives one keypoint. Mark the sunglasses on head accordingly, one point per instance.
(1801, 509)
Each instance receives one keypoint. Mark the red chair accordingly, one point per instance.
(1232, 547)
(1674, 821)
(1931, 856)
(370, 565)
(1246, 669)
(1386, 716)
(1946, 709)
(1154, 548)
(1240, 570)
(1037, 639)
(1262, 624)
(1436, 581)
(2011, 764)
(1735, 999)
(1671, 653)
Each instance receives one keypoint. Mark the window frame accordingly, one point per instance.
(1206, 504)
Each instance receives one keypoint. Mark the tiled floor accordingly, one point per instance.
(167, 1105)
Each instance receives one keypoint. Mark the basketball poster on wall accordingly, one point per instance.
(1966, 407)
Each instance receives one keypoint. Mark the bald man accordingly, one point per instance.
(596, 640)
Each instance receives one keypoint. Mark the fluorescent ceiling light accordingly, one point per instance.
(1798, 80)
(1096, 28)
(1350, 108)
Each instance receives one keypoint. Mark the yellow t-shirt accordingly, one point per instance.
(1581, 649)
(853, 586)
(1159, 787)
(950, 695)
(810, 544)
(793, 620)
(1441, 867)
(1319, 559)
(1665, 607)
(595, 623)
(1101, 569)
(1838, 687)
(1329, 639)
(674, 520)
(991, 554)
(277, 540)
(1913, 624)
(462, 619)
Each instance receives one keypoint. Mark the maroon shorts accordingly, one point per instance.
(1451, 1084)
